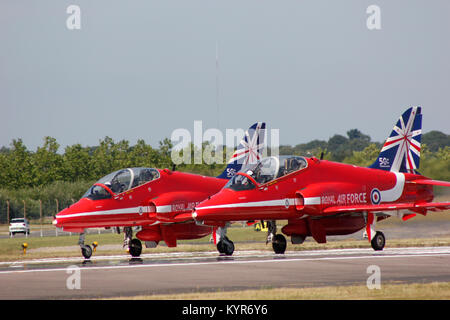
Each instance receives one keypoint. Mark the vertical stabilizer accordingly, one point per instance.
(249, 150)
(401, 151)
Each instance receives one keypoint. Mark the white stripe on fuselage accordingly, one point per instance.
(389, 195)
(266, 203)
(133, 210)
(386, 196)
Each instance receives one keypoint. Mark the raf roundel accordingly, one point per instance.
(286, 203)
(375, 196)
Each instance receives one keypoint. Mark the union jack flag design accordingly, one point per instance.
(401, 151)
(249, 150)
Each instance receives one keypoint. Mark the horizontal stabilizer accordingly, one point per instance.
(389, 207)
(431, 182)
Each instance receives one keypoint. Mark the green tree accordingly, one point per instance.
(102, 158)
(47, 163)
(77, 164)
(18, 166)
(165, 149)
(435, 165)
(355, 134)
(143, 155)
(365, 157)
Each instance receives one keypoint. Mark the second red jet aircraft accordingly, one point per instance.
(320, 198)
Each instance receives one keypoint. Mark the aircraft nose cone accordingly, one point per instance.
(60, 219)
(204, 211)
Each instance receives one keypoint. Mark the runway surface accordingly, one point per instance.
(117, 276)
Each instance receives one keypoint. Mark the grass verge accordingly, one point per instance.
(390, 291)
(111, 244)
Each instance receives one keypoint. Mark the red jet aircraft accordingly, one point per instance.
(321, 198)
(153, 199)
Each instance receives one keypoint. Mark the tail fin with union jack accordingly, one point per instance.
(249, 150)
(401, 151)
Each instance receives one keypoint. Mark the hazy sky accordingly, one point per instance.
(141, 69)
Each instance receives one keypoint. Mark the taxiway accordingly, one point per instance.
(120, 276)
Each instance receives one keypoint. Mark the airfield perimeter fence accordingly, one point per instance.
(37, 210)
(40, 213)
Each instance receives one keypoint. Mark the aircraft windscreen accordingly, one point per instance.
(123, 180)
(239, 183)
(266, 170)
(271, 168)
(97, 193)
(290, 164)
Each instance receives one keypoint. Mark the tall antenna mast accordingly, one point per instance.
(217, 85)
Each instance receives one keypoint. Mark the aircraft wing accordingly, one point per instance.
(420, 207)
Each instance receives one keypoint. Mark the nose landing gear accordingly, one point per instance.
(225, 246)
(134, 246)
(86, 249)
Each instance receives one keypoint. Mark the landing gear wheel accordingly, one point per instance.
(221, 247)
(135, 248)
(86, 251)
(378, 241)
(229, 248)
(225, 246)
(279, 244)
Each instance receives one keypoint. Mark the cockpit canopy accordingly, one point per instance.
(121, 181)
(266, 170)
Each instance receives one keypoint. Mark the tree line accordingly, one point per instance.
(51, 180)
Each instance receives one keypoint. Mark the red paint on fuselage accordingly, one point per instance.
(306, 193)
(152, 203)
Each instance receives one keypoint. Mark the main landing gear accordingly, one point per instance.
(279, 242)
(378, 241)
(134, 245)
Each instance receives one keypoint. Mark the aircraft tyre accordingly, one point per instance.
(86, 251)
(135, 247)
(225, 246)
(279, 244)
(378, 241)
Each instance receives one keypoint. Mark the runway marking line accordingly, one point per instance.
(238, 254)
(278, 260)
